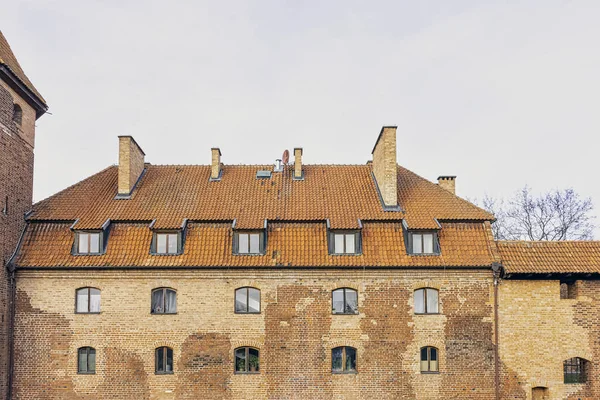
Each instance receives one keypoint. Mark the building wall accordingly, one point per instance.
(16, 183)
(538, 331)
(295, 333)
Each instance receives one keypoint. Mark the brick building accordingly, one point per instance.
(20, 106)
(291, 281)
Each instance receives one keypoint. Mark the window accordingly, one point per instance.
(344, 243)
(17, 114)
(575, 370)
(164, 360)
(166, 243)
(87, 300)
(164, 301)
(248, 242)
(86, 360)
(247, 360)
(344, 301)
(429, 359)
(423, 243)
(426, 301)
(343, 359)
(247, 300)
(88, 242)
(568, 290)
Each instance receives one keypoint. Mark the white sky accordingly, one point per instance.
(500, 93)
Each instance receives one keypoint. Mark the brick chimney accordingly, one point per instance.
(385, 166)
(298, 163)
(448, 183)
(131, 165)
(215, 167)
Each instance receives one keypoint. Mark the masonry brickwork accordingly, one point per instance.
(16, 183)
(294, 332)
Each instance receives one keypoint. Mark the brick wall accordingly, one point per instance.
(16, 182)
(295, 333)
(539, 330)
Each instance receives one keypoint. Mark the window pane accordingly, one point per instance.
(254, 300)
(169, 366)
(338, 244)
(171, 301)
(172, 243)
(157, 301)
(83, 243)
(428, 243)
(253, 360)
(240, 360)
(161, 243)
(254, 243)
(351, 301)
(82, 362)
(336, 359)
(417, 243)
(350, 242)
(433, 363)
(424, 365)
(82, 300)
(432, 301)
(243, 243)
(160, 359)
(94, 300)
(350, 359)
(240, 300)
(419, 301)
(338, 301)
(94, 243)
(91, 362)
(424, 354)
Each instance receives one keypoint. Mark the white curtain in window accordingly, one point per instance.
(94, 243)
(432, 301)
(161, 243)
(172, 243)
(82, 300)
(157, 301)
(417, 247)
(350, 248)
(171, 302)
(254, 243)
(338, 244)
(94, 300)
(428, 243)
(253, 300)
(83, 243)
(419, 301)
(243, 243)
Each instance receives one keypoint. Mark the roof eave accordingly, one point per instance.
(25, 92)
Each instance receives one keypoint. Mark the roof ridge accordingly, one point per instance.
(545, 241)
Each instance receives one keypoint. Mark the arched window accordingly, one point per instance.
(87, 300)
(343, 359)
(163, 360)
(429, 359)
(247, 300)
(575, 370)
(86, 360)
(247, 360)
(426, 301)
(17, 114)
(164, 301)
(344, 301)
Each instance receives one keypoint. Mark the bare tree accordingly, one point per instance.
(556, 215)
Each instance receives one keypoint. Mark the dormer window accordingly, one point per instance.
(344, 242)
(166, 243)
(248, 242)
(423, 243)
(88, 243)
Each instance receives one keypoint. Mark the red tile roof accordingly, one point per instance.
(8, 59)
(342, 194)
(550, 257)
(297, 244)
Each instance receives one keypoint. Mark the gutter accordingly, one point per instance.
(496, 271)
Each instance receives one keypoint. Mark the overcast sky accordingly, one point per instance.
(499, 93)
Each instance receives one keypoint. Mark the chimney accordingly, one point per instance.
(298, 164)
(215, 167)
(448, 183)
(131, 165)
(385, 166)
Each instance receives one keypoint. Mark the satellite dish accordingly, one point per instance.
(286, 157)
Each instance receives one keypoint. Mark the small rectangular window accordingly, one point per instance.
(89, 242)
(423, 243)
(345, 242)
(249, 242)
(166, 243)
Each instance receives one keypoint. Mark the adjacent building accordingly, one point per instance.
(288, 281)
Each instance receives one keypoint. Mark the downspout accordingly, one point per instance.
(496, 270)
(12, 288)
